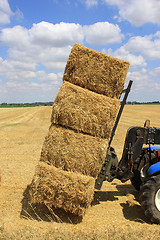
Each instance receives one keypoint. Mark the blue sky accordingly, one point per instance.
(36, 38)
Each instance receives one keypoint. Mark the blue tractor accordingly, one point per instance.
(140, 163)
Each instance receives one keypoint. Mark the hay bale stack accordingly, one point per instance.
(96, 71)
(84, 110)
(72, 151)
(82, 119)
(70, 191)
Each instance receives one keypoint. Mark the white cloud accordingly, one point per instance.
(157, 85)
(148, 46)
(140, 83)
(5, 12)
(42, 77)
(155, 72)
(21, 71)
(57, 35)
(124, 54)
(102, 33)
(15, 91)
(43, 34)
(139, 49)
(143, 86)
(44, 88)
(18, 14)
(138, 12)
(91, 3)
(15, 37)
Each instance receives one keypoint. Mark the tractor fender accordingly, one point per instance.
(154, 168)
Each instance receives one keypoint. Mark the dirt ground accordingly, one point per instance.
(115, 212)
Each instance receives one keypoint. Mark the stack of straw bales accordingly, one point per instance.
(82, 119)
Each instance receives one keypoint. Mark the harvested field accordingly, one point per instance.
(84, 110)
(115, 213)
(96, 71)
(54, 187)
(72, 151)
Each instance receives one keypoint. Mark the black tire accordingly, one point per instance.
(136, 180)
(148, 194)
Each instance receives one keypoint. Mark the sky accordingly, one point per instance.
(36, 37)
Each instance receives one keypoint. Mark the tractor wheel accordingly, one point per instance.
(150, 198)
(136, 180)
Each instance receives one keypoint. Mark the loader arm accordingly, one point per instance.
(111, 160)
(135, 138)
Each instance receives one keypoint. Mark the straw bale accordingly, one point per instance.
(84, 110)
(72, 151)
(54, 187)
(96, 71)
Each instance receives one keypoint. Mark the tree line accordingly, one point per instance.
(26, 104)
(134, 102)
(35, 104)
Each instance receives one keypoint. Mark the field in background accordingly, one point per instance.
(115, 214)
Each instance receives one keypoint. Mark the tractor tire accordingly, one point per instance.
(150, 198)
(136, 180)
